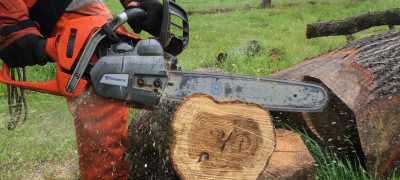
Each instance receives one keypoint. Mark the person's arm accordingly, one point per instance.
(152, 24)
(21, 43)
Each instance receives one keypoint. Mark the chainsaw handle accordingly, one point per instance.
(52, 86)
(132, 14)
(6, 79)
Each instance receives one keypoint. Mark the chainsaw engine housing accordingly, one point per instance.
(137, 76)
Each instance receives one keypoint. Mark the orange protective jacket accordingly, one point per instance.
(101, 124)
(45, 13)
(12, 12)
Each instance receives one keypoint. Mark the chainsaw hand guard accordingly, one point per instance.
(172, 43)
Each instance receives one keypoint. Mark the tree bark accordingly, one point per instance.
(201, 139)
(364, 80)
(354, 24)
(266, 3)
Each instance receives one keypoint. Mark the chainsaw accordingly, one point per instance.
(140, 71)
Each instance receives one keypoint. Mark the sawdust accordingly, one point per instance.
(149, 140)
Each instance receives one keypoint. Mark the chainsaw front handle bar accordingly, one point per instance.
(133, 14)
(65, 84)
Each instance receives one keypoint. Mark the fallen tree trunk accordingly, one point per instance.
(204, 139)
(266, 3)
(364, 81)
(354, 24)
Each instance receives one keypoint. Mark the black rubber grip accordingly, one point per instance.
(136, 14)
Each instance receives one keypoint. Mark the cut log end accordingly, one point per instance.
(221, 140)
(205, 139)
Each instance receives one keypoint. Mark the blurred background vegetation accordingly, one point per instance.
(44, 147)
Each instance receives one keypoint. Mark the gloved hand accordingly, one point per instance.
(25, 51)
(153, 21)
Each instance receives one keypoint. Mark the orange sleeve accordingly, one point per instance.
(12, 12)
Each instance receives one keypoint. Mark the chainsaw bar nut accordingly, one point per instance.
(157, 83)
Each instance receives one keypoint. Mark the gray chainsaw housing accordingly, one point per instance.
(136, 76)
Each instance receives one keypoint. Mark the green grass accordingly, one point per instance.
(331, 167)
(48, 135)
(282, 27)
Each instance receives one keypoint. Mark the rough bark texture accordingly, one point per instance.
(291, 159)
(364, 80)
(246, 137)
(354, 24)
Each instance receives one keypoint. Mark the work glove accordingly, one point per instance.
(25, 51)
(152, 23)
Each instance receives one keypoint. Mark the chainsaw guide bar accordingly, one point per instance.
(272, 94)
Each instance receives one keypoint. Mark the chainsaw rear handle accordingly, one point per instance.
(57, 85)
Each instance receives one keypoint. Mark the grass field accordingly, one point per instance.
(44, 147)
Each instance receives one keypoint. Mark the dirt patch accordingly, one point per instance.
(220, 10)
(60, 170)
(275, 54)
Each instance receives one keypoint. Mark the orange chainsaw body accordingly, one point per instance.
(65, 47)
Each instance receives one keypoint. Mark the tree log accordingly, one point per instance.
(204, 139)
(354, 24)
(364, 80)
(221, 140)
(266, 3)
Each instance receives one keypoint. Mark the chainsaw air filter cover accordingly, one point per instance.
(137, 76)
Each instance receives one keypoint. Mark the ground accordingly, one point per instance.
(44, 147)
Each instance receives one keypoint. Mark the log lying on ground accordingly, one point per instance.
(364, 80)
(354, 24)
(205, 139)
(266, 3)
